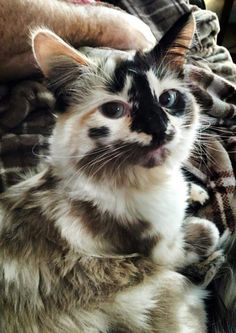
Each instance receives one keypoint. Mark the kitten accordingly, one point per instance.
(93, 242)
(89, 24)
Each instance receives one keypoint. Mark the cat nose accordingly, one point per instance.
(157, 123)
(153, 121)
(160, 128)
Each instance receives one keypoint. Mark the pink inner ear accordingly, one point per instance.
(48, 46)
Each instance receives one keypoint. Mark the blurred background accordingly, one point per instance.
(226, 11)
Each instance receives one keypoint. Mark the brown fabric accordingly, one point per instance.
(213, 161)
(26, 121)
(25, 126)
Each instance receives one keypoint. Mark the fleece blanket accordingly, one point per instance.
(27, 121)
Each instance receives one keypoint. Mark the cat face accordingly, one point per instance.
(120, 110)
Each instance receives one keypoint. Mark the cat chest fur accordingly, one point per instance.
(123, 220)
(142, 221)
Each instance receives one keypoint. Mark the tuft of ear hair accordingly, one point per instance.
(48, 48)
(175, 44)
(60, 63)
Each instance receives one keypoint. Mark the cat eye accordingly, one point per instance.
(113, 110)
(170, 99)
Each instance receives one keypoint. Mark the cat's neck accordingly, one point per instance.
(113, 195)
(100, 219)
(125, 218)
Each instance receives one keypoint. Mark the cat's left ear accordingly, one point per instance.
(175, 44)
(49, 49)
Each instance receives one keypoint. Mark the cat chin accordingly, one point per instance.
(155, 158)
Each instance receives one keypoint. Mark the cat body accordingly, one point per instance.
(80, 24)
(56, 278)
(93, 242)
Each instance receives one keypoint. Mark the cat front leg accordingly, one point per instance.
(202, 273)
(202, 259)
(200, 239)
(197, 194)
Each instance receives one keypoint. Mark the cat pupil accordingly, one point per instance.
(113, 110)
(168, 98)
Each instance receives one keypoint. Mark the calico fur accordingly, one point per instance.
(95, 241)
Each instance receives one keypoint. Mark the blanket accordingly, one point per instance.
(26, 121)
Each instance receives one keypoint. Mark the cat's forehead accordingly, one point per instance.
(128, 74)
(102, 53)
(120, 64)
(139, 74)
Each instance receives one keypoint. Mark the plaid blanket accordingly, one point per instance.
(26, 121)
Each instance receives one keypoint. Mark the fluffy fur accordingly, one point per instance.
(93, 242)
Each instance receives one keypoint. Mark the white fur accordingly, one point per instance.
(85, 322)
(163, 205)
(136, 304)
(10, 271)
(198, 194)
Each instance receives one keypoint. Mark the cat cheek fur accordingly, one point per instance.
(77, 134)
(186, 132)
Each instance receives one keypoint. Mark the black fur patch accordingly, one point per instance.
(148, 116)
(98, 132)
(169, 38)
(125, 238)
(119, 77)
(141, 63)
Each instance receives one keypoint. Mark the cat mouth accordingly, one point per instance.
(155, 157)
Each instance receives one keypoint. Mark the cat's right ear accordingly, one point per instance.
(173, 47)
(49, 49)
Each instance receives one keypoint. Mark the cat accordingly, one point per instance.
(80, 24)
(94, 242)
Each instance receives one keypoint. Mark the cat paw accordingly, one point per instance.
(201, 238)
(23, 98)
(203, 273)
(211, 266)
(197, 194)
